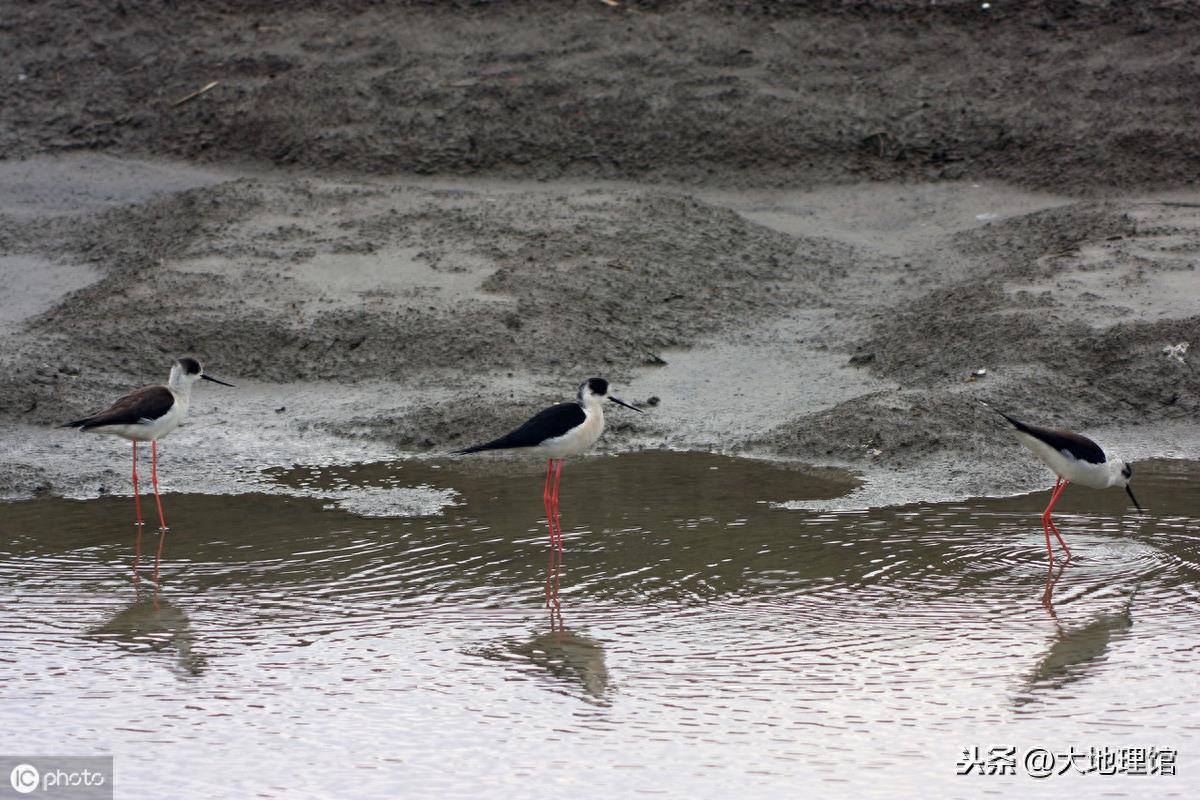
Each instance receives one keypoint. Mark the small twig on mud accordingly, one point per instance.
(196, 93)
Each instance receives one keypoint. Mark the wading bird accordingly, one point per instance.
(566, 429)
(147, 415)
(1074, 459)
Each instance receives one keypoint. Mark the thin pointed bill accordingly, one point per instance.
(621, 402)
(1129, 491)
(214, 380)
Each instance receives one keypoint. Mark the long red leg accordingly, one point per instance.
(137, 497)
(1045, 516)
(1048, 523)
(162, 522)
(137, 505)
(557, 519)
(1054, 527)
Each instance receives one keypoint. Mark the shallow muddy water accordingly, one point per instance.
(711, 643)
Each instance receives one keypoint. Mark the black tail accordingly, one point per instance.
(79, 423)
(509, 441)
(475, 448)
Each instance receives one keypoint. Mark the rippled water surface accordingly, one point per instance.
(711, 644)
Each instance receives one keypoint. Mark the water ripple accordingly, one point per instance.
(693, 616)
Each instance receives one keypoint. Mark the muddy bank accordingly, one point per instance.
(791, 230)
(1081, 96)
(370, 319)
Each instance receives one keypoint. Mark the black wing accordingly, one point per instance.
(1081, 447)
(149, 402)
(546, 424)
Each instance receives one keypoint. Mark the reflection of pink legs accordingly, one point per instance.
(137, 506)
(162, 535)
(554, 565)
(1051, 582)
(557, 518)
(548, 502)
(1048, 523)
(162, 522)
(553, 580)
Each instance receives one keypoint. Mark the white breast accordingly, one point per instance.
(578, 439)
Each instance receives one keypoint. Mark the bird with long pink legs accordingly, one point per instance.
(1074, 458)
(558, 432)
(147, 415)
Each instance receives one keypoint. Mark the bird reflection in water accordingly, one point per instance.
(1075, 652)
(153, 626)
(563, 654)
(1052, 578)
(553, 582)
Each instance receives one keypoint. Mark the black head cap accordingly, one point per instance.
(190, 365)
(597, 386)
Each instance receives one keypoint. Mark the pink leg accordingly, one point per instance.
(1048, 523)
(162, 530)
(137, 505)
(162, 522)
(1054, 527)
(137, 497)
(557, 519)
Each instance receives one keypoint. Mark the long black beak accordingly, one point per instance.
(621, 402)
(214, 380)
(1129, 491)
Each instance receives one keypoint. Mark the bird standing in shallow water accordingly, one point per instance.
(1073, 458)
(147, 415)
(566, 429)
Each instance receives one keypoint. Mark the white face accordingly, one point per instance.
(182, 374)
(588, 395)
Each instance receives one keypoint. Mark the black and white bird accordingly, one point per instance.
(1074, 458)
(146, 415)
(562, 430)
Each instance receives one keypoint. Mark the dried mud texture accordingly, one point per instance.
(307, 281)
(745, 212)
(1068, 95)
(392, 317)
(1067, 309)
